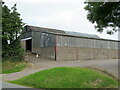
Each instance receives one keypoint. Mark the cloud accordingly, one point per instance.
(46, 1)
(66, 15)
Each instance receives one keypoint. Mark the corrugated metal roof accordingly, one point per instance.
(56, 31)
(81, 34)
(34, 28)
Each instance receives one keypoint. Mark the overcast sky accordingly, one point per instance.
(68, 15)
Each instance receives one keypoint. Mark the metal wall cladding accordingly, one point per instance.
(111, 44)
(58, 41)
(85, 42)
(91, 43)
(50, 40)
(36, 39)
(26, 35)
(47, 40)
(118, 45)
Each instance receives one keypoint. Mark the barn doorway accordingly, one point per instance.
(29, 45)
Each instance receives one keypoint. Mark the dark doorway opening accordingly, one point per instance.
(29, 45)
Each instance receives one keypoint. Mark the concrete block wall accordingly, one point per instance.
(36, 50)
(45, 53)
(48, 53)
(66, 53)
(85, 53)
(77, 53)
(101, 53)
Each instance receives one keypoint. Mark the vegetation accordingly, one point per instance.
(11, 66)
(105, 14)
(67, 77)
(11, 28)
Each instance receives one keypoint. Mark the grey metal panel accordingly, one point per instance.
(104, 44)
(114, 45)
(97, 44)
(88, 43)
(94, 41)
(60, 37)
(33, 39)
(108, 44)
(84, 42)
(91, 43)
(111, 45)
(81, 42)
(26, 35)
(58, 40)
(48, 40)
(118, 45)
(36, 39)
(72, 43)
(81, 34)
(65, 41)
(77, 42)
(100, 44)
(68, 41)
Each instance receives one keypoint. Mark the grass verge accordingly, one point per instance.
(68, 77)
(11, 66)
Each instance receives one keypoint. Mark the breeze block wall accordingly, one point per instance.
(76, 48)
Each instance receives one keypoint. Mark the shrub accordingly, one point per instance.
(13, 51)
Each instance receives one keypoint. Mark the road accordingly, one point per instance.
(106, 65)
(9, 85)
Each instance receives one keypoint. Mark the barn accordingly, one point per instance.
(58, 45)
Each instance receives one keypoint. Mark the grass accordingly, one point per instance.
(67, 77)
(11, 66)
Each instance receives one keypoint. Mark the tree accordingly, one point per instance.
(11, 28)
(104, 15)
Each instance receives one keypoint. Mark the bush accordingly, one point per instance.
(13, 51)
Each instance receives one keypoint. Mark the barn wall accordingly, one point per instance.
(26, 35)
(66, 53)
(72, 48)
(44, 45)
(36, 43)
(48, 53)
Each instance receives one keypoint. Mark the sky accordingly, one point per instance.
(67, 15)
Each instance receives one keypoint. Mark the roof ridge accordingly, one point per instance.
(57, 31)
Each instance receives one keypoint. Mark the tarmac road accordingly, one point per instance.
(111, 66)
(9, 85)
